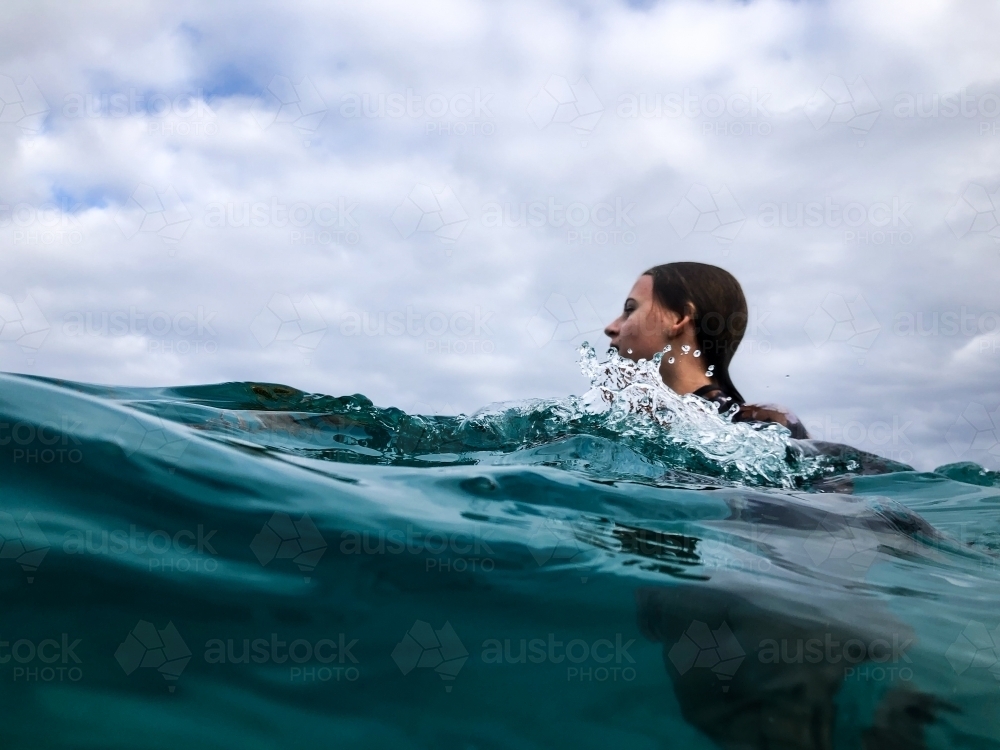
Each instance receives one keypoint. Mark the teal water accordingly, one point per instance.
(246, 565)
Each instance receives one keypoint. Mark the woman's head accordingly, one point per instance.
(692, 304)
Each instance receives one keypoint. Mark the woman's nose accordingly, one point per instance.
(612, 330)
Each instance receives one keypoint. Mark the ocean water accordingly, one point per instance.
(249, 566)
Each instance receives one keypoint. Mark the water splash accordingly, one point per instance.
(636, 403)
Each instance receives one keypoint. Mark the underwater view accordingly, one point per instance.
(248, 565)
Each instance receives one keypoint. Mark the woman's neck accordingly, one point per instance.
(685, 375)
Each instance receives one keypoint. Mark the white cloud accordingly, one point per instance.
(284, 194)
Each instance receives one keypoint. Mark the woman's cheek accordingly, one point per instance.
(650, 324)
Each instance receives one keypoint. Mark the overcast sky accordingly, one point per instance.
(434, 203)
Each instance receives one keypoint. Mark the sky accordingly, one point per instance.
(434, 204)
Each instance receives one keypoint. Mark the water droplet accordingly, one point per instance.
(669, 347)
(671, 360)
(697, 352)
(708, 373)
(685, 349)
(629, 351)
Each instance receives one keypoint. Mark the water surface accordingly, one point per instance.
(246, 565)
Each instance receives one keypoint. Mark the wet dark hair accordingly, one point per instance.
(714, 300)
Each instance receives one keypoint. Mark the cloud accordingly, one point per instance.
(221, 118)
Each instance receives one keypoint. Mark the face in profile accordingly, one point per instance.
(644, 327)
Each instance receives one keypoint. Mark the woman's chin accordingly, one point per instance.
(627, 353)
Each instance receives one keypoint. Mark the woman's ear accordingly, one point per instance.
(676, 323)
(686, 320)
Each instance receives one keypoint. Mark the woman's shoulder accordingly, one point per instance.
(754, 412)
(772, 413)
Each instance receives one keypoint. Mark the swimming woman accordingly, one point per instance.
(692, 307)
